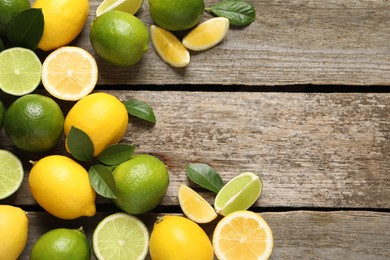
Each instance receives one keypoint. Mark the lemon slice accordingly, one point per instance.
(69, 73)
(128, 6)
(207, 34)
(168, 47)
(243, 235)
(11, 174)
(238, 194)
(20, 71)
(194, 206)
(120, 236)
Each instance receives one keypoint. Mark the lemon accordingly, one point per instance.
(9, 8)
(176, 237)
(61, 244)
(176, 15)
(168, 47)
(61, 186)
(103, 117)
(141, 183)
(34, 123)
(128, 6)
(64, 20)
(119, 38)
(11, 174)
(13, 231)
(243, 235)
(207, 34)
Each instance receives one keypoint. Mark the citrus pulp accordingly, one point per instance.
(128, 6)
(11, 174)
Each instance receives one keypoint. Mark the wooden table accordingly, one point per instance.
(300, 96)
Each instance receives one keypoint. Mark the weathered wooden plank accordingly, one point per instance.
(297, 234)
(291, 42)
(312, 150)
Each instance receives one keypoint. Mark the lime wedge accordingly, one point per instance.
(128, 6)
(120, 236)
(238, 194)
(20, 72)
(11, 174)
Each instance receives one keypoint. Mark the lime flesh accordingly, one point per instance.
(238, 194)
(128, 6)
(20, 72)
(11, 174)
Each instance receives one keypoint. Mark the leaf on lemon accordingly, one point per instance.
(205, 176)
(26, 28)
(140, 109)
(239, 13)
(80, 145)
(116, 154)
(102, 181)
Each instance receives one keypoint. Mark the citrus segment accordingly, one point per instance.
(238, 194)
(128, 6)
(168, 47)
(69, 73)
(194, 206)
(242, 235)
(20, 72)
(207, 34)
(11, 174)
(120, 236)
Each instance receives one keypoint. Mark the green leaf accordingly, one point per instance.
(102, 181)
(140, 109)
(205, 176)
(80, 145)
(116, 154)
(239, 13)
(26, 28)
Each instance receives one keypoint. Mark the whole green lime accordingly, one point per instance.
(34, 123)
(176, 15)
(9, 8)
(2, 113)
(119, 38)
(141, 183)
(61, 244)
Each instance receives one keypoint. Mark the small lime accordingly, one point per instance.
(9, 8)
(141, 183)
(34, 123)
(61, 244)
(119, 38)
(11, 174)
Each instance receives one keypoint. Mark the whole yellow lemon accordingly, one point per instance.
(176, 237)
(64, 20)
(13, 231)
(61, 186)
(103, 117)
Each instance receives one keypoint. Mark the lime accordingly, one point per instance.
(9, 8)
(119, 38)
(120, 236)
(11, 174)
(34, 123)
(176, 15)
(2, 113)
(141, 183)
(238, 194)
(62, 244)
(128, 6)
(20, 72)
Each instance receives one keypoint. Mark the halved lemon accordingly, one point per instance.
(207, 34)
(243, 235)
(128, 6)
(194, 206)
(69, 73)
(169, 47)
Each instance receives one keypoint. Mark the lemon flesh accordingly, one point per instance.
(20, 72)
(11, 174)
(238, 194)
(120, 236)
(128, 6)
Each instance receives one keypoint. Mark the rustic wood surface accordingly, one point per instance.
(324, 157)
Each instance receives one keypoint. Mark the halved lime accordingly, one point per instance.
(238, 194)
(20, 72)
(128, 6)
(11, 174)
(120, 236)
